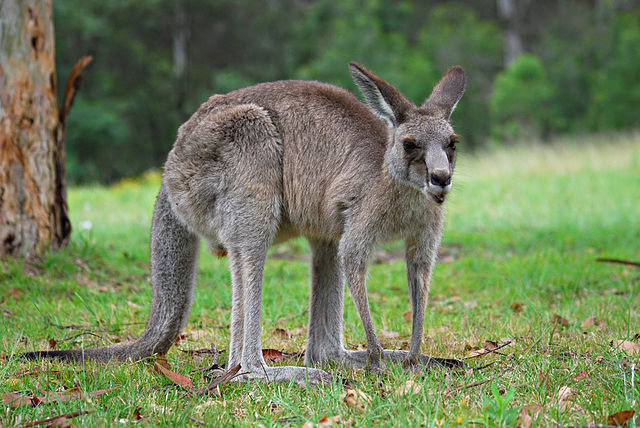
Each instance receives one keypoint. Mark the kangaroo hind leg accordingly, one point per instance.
(251, 265)
(247, 235)
(244, 213)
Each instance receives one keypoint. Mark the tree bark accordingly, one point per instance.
(180, 59)
(512, 12)
(33, 209)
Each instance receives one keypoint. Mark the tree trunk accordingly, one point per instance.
(180, 36)
(512, 13)
(33, 209)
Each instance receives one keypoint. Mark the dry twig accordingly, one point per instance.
(491, 351)
(620, 262)
(226, 377)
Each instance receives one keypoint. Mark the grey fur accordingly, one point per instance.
(276, 160)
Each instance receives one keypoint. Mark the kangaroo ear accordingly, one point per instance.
(383, 99)
(447, 93)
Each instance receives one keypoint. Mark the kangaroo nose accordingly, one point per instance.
(440, 177)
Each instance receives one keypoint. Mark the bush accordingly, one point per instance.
(616, 88)
(520, 100)
(478, 49)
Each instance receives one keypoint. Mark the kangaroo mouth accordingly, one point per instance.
(439, 199)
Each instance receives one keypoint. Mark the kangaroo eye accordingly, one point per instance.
(409, 145)
(453, 139)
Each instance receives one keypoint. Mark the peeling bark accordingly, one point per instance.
(33, 210)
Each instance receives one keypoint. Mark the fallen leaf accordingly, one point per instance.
(582, 375)
(527, 414)
(409, 387)
(327, 421)
(133, 305)
(592, 321)
(517, 307)
(274, 355)
(356, 398)
(557, 319)
(176, 378)
(161, 360)
(463, 347)
(565, 394)
(407, 316)
(620, 418)
(274, 405)
(626, 346)
(476, 352)
(136, 414)
(12, 399)
(57, 421)
(181, 337)
(490, 345)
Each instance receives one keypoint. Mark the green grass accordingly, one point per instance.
(524, 227)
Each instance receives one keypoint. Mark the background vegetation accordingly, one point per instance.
(157, 60)
(525, 226)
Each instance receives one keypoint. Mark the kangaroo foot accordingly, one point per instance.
(358, 359)
(300, 376)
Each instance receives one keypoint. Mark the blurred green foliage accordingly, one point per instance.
(521, 95)
(157, 60)
(616, 86)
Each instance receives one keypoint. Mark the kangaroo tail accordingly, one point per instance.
(174, 255)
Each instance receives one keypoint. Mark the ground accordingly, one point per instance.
(524, 230)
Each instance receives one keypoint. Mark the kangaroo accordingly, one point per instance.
(269, 162)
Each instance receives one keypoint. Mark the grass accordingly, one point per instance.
(523, 230)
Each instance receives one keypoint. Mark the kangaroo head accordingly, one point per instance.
(421, 152)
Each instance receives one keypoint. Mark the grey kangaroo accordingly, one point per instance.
(269, 162)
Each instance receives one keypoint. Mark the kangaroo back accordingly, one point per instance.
(174, 253)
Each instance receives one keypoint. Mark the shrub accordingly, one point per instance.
(519, 104)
